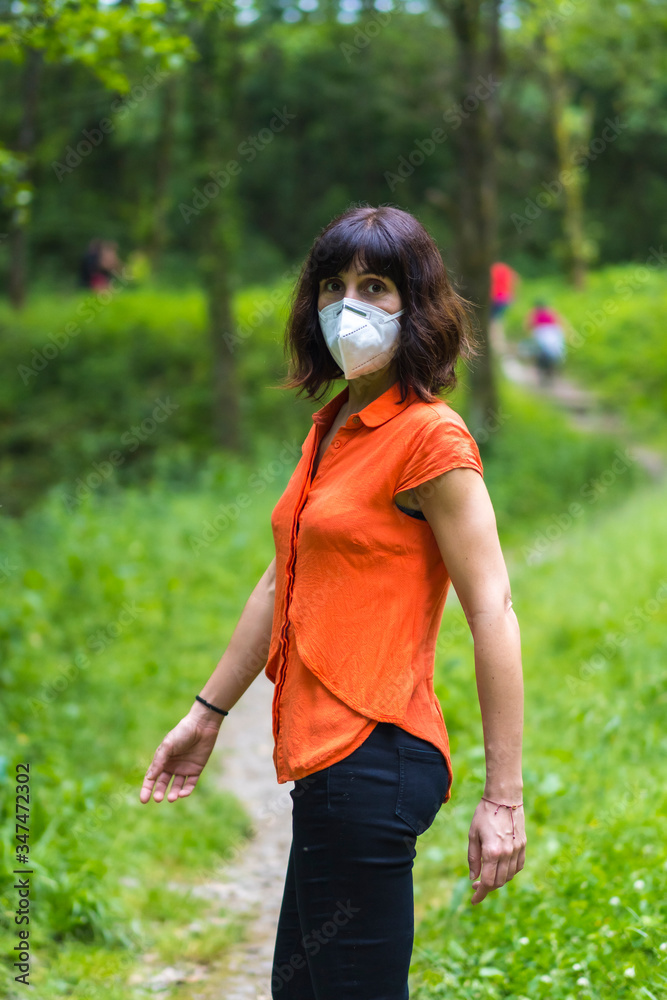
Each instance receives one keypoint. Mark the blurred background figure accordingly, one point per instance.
(99, 263)
(89, 268)
(548, 339)
(504, 283)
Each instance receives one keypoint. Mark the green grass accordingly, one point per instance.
(591, 902)
(108, 627)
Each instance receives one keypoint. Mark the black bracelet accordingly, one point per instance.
(208, 705)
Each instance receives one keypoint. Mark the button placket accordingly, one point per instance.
(289, 584)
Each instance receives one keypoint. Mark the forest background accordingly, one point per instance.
(144, 439)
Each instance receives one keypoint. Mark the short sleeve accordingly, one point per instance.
(444, 444)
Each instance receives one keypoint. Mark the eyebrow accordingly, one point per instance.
(362, 274)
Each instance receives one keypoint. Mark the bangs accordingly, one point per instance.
(369, 248)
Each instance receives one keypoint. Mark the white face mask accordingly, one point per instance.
(361, 337)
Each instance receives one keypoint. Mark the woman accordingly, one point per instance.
(385, 508)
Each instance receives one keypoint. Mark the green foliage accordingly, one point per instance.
(616, 343)
(103, 38)
(126, 395)
(109, 624)
(339, 147)
(99, 392)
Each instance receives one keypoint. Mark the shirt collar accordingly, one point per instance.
(376, 413)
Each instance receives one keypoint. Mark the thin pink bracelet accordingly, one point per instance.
(503, 805)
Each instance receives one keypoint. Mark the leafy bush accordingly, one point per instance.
(95, 390)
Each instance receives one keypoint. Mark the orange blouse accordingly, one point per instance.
(360, 585)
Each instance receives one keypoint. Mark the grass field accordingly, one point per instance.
(109, 626)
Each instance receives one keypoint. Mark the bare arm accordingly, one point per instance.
(246, 653)
(459, 510)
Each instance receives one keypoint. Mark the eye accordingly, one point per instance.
(331, 281)
(376, 287)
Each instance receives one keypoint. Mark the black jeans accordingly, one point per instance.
(346, 926)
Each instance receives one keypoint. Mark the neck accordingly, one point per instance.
(366, 388)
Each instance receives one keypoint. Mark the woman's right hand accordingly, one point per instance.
(182, 755)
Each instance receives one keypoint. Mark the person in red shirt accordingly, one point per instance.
(548, 339)
(98, 264)
(504, 283)
(386, 508)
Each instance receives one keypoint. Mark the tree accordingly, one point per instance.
(475, 27)
(214, 207)
(578, 49)
(107, 40)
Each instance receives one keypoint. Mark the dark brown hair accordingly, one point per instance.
(436, 327)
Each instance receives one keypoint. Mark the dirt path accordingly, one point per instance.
(250, 886)
(583, 407)
(254, 887)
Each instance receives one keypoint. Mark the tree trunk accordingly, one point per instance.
(26, 141)
(476, 210)
(157, 239)
(214, 100)
(215, 271)
(571, 126)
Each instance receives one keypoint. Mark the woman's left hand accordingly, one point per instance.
(494, 856)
